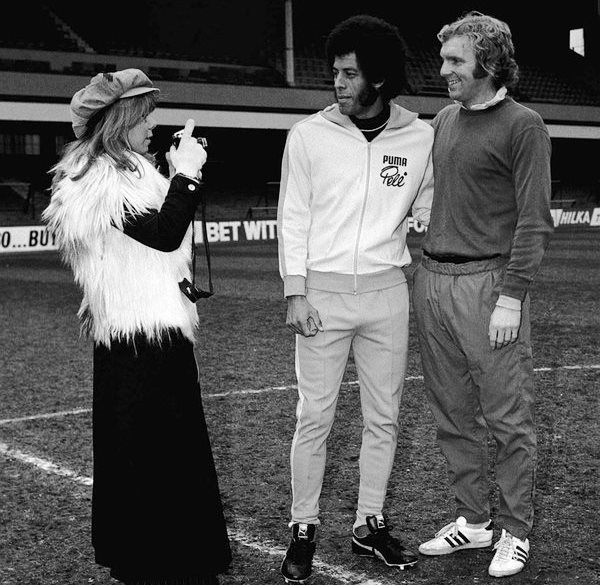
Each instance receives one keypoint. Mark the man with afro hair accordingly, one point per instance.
(351, 174)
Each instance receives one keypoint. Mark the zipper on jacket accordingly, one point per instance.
(362, 215)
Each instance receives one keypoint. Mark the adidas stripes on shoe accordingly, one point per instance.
(458, 536)
(511, 555)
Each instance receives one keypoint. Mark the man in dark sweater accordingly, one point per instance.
(490, 225)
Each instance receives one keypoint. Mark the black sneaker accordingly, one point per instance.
(297, 564)
(381, 544)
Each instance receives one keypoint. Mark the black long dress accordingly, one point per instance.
(157, 515)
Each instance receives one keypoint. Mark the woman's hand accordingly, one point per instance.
(189, 157)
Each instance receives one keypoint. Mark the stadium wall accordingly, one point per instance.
(37, 238)
(246, 127)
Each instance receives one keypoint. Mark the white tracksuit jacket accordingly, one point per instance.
(344, 201)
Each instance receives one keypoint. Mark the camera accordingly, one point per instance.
(192, 292)
(176, 138)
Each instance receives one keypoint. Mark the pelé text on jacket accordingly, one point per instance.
(390, 173)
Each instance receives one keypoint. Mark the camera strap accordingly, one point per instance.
(210, 291)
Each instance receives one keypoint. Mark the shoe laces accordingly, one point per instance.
(504, 547)
(452, 527)
(302, 546)
(301, 549)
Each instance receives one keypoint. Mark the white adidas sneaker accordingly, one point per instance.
(511, 555)
(457, 536)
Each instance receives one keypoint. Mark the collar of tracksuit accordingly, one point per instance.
(399, 116)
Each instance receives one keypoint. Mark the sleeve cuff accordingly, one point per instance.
(189, 177)
(294, 284)
(508, 303)
(515, 287)
(182, 184)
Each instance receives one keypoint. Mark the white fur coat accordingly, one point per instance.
(127, 287)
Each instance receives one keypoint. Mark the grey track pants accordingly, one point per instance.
(472, 388)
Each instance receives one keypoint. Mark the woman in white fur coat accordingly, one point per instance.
(125, 230)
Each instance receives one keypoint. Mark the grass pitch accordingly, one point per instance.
(245, 354)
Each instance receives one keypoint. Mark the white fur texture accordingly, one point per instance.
(127, 287)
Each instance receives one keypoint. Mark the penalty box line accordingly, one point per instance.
(250, 391)
(239, 535)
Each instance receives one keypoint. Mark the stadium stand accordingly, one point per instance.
(43, 31)
(56, 40)
(539, 85)
(240, 46)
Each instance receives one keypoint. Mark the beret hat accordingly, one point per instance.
(103, 90)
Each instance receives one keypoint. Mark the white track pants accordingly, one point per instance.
(375, 325)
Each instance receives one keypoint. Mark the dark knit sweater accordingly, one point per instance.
(492, 189)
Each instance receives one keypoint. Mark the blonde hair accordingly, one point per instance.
(106, 134)
(491, 40)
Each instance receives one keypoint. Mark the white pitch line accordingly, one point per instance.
(272, 388)
(44, 464)
(273, 550)
(250, 391)
(45, 415)
(240, 536)
(591, 367)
